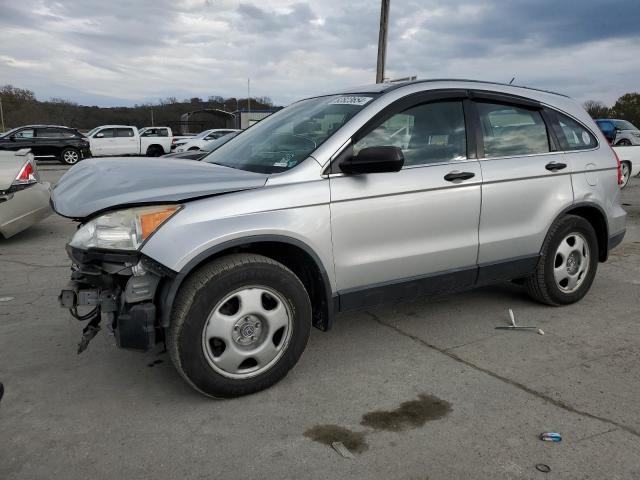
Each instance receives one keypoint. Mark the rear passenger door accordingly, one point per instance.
(526, 182)
(126, 142)
(401, 234)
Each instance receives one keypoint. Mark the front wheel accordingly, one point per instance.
(568, 263)
(69, 156)
(625, 142)
(239, 324)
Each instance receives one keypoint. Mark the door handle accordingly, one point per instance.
(457, 175)
(555, 166)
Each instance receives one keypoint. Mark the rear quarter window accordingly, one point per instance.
(571, 134)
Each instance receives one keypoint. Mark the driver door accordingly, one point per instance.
(399, 235)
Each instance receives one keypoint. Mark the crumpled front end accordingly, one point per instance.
(116, 291)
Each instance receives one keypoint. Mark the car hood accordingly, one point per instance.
(96, 185)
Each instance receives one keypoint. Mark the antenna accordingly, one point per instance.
(512, 80)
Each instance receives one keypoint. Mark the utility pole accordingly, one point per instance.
(249, 97)
(382, 40)
(1, 114)
(152, 116)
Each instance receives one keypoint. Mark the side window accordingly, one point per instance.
(124, 132)
(510, 131)
(572, 135)
(55, 133)
(25, 133)
(427, 133)
(49, 133)
(106, 132)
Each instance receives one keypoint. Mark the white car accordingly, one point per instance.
(629, 161)
(200, 140)
(118, 140)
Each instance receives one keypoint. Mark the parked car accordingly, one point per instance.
(619, 132)
(180, 140)
(630, 162)
(206, 149)
(118, 140)
(24, 198)
(197, 142)
(321, 208)
(48, 141)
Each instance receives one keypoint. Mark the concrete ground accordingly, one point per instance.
(422, 390)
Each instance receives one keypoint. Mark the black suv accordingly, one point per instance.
(66, 144)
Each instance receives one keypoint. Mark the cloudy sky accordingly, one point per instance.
(122, 52)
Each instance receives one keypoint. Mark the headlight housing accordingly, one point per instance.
(122, 229)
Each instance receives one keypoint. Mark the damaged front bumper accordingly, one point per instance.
(120, 290)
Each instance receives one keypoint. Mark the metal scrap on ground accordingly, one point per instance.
(513, 325)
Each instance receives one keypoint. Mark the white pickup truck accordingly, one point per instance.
(630, 162)
(117, 140)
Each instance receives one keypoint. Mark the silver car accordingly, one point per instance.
(343, 201)
(24, 198)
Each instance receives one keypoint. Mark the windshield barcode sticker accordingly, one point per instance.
(351, 101)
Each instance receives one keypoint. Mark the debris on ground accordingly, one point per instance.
(513, 325)
(7, 299)
(542, 467)
(342, 450)
(550, 437)
(1, 390)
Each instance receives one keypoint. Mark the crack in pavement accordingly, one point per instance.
(513, 383)
(34, 265)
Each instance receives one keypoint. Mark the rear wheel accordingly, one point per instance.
(154, 151)
(194, 148)
(625, 142)
(239, 324)
(626, 173)
(69, 156)
(568, 263)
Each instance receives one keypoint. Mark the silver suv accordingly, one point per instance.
(343, 201)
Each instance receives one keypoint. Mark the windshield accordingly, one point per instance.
(91, 132)
(624, 125)
(9, 132)
(284, 139)
(218, 142)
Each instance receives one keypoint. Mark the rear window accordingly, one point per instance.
(510, 131)
(571, 134)
(124, 132)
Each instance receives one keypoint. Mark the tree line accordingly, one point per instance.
(21, 107)
(627, 107)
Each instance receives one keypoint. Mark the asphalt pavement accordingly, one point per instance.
(423, 390)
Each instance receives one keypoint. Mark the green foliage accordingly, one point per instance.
(22, 108)
(627, 107)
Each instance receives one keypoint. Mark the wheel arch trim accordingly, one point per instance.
(603, 237)
(170, 290)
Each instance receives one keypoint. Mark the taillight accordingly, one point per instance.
(27, 175)
(620, 176)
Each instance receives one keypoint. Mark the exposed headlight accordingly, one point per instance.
(636, 134)
(122, 229)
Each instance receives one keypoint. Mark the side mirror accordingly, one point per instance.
(374, 160)
(99, 135)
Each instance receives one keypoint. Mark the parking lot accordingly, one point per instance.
(419, 390)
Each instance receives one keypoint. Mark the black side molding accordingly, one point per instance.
(616, 239)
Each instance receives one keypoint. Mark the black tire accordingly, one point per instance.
(625, 178)
(198, 296)
(625, 142)
(194, 148)
(541, 285)
(154, 151)
(69, 156)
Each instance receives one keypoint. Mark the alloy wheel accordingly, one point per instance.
(571, 263)
(247, 332)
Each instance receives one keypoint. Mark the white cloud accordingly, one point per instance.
(132, 52)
